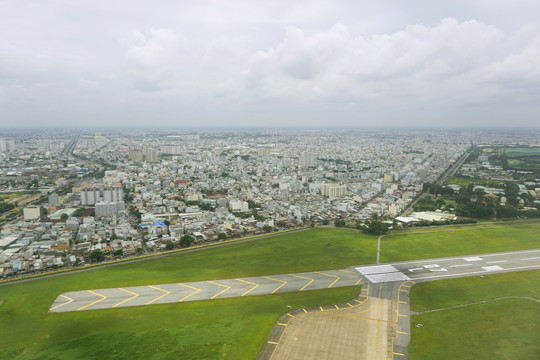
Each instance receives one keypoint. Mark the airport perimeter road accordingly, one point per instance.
(203, 290)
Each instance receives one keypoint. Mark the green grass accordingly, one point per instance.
(235, 328)
(463, 241)
(466, 180)
(222, 329)
(504, 329)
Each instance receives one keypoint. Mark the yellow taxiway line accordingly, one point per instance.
(131, 292)
(193, 293)
(283, 281)
(159, 297)
(335, 276)
(222, 291)
(303, 277)
(57, 306)
(103, 297)
(248, 282)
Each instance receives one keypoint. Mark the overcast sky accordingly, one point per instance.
(270, 63)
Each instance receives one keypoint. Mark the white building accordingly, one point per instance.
(32, 213)
(109, 208)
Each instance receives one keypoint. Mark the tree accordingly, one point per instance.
(139, 251)
(325, 222)
(267, 228)
(64, 216)
(221, 235)
(169, 245)
(186, 240)
(339, 223)
(118, 253)
(97, 255)
(376, 227)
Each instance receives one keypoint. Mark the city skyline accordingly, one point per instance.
(271, 64)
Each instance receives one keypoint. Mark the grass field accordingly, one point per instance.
(466, 180)
(234, 328)
(504, 329)
(223, 329)
(462, 241)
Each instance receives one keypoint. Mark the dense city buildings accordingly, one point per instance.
(68, 194)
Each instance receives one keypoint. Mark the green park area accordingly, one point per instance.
(506, 328)
(235, 328)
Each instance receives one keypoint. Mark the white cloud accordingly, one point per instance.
(157, 61)
(418, 61)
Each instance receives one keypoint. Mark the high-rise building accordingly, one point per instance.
(307, 160)
(139, 154)
(105, 208)
(7, 145)
(334, 190)
(94, 193)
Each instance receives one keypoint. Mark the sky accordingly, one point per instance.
(417, 63)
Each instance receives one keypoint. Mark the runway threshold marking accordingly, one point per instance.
(159, 297)
(282, 281)
(222, 291)
(303, 277)
(57, 306)
(103, 297)
(193, 293)
(121, 302)
(335, 276)
(248, 282)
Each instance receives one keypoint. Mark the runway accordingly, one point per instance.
(452, 267)
(417, 271)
